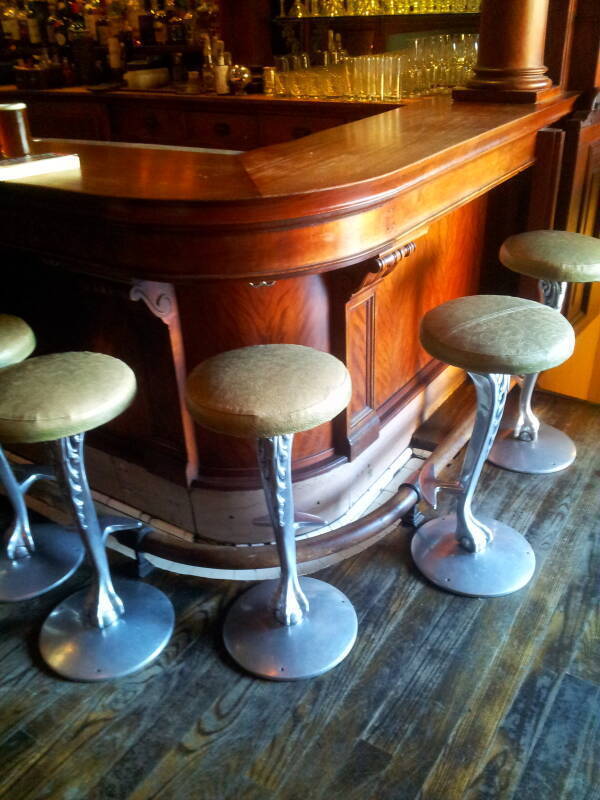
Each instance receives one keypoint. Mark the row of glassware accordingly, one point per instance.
(366, 8)
(432, 65)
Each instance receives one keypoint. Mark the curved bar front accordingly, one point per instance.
(339, 241)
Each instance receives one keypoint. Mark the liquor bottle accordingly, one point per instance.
(146, 24)
(298, 9)
(175, 26)
(221, 72)
(61, 27)
(68, 73)
(90, 17)
(34, 31)
(102, 26)
(208, 73)
(22, 20)
(51, 23)
(160, 23)
(133, 10)
(115, 57)
(179, 73)
(10, 24)
(189, 23)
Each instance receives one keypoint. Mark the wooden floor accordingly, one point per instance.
(442, 697)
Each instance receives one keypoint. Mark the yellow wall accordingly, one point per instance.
(580, 375)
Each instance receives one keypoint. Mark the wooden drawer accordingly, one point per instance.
(150, 125)
(275, 128)
(62, 120)
(228, 131)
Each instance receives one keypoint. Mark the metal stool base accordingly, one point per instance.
(58, 553)
(504, 567)
(552, 451)
(80, 652)
(264, 647)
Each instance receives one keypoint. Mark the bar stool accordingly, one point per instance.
(491, 337)
(33, 558)
(107, 630)
(292, 628)
(555, 258)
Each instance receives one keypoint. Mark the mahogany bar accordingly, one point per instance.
(327, 224)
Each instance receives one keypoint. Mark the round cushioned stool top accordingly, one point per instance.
(48, 397)
(495, 333)
(16, 340)
(553, 256)
(268, 390)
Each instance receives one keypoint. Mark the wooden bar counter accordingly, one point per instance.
(340, 240)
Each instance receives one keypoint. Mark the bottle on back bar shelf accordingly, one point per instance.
(90, 17)
(175, 26)
(115, 58)
(10, 24)
(160, 23)
(21, 15)
(61, 27)
(179, 73)
(51, 23)
(208, 75)
(146, 24)
(102, 26)
(189, 23)
(34, 31)
(133, 10)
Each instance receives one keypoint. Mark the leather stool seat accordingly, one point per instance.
(50, 397)
(293, 627)
(268, 390)
(553, 256)
(491, 337)
(17, 340)
(497, 334)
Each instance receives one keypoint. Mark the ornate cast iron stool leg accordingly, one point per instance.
(106, 631)
(458, 552)
(33, 559)
(524, 444)
(291, 628)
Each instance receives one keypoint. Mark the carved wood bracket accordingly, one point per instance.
(161, 299)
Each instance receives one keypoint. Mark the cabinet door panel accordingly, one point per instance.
(148, 124)
(276, 128)
(227, 131)
(71, 120)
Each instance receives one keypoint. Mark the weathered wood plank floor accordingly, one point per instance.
(443, 697)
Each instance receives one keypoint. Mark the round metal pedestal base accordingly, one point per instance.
(58, 553)
(84, 653)
(263, 647)
(552, 451)
(504, 567)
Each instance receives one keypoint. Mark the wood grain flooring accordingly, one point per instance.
(442, 698)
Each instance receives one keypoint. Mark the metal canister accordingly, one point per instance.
(269, 80)
(15, 138)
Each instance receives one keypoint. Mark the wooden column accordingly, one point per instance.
(510, 67)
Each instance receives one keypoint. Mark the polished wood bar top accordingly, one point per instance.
(392, 146)
(360, 186)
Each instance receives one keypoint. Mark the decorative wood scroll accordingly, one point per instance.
(161, 299)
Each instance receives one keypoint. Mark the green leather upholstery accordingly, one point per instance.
(553, 256)
(495, 333)
(268, 390)
(48, 397)
(16, 340)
